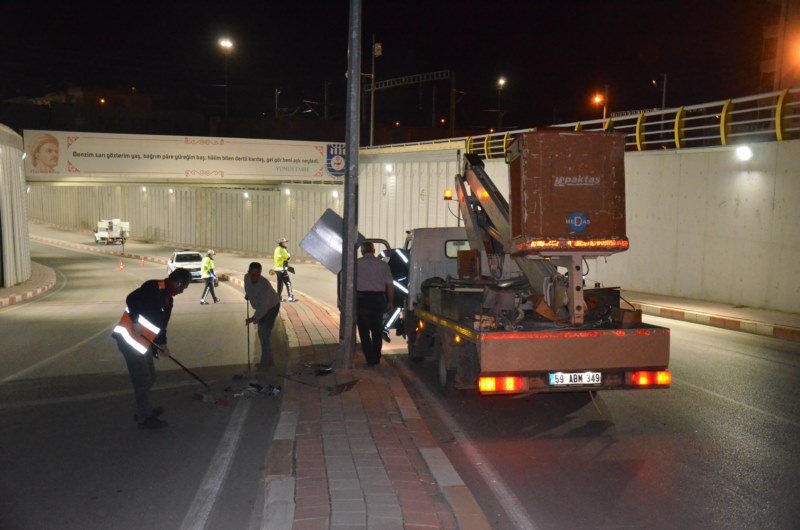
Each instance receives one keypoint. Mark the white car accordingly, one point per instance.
(186, 259)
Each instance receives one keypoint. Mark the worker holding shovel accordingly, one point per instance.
(266, 306)
(141, 336)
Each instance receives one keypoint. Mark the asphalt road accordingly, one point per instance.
(72, 456)
(720, 449)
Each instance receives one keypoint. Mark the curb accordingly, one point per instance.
(49, 282)
(734, 324)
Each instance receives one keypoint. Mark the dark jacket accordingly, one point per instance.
(154, 303)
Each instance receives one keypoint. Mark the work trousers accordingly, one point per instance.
(209, 289)
(265, 326)
(283, 278)
(370, 306)
(143, 374)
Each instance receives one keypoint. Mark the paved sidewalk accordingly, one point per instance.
(350, 449)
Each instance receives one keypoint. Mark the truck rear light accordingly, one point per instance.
(501, 385)
(646, 378)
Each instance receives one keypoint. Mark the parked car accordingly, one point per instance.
(186, 259)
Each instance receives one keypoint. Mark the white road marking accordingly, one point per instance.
(510, 503)
(739, 403)
(197, 516)
(55, 357)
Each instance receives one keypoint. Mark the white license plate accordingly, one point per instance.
(575, 378)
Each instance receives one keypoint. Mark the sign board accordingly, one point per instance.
(59, 155)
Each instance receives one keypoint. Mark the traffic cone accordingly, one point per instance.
(121, 267)
(142, 262)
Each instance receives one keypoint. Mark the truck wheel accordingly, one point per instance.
(446, 376)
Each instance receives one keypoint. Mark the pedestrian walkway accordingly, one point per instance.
(737, 318)
(351, 450)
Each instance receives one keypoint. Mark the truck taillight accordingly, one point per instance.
(646, 378)
(501, 385)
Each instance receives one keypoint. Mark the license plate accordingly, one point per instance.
(575, 378)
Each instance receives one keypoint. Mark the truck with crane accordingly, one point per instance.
(502, 303)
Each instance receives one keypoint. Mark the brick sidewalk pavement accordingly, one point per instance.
(350, 450)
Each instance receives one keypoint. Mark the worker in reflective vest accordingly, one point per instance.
(281, 269)
(209, 276)
(141, 336)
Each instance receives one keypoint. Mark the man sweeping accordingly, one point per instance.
(141, 336)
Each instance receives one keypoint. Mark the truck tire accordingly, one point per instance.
(446, 375)
(420, 343)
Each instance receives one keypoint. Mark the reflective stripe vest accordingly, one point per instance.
(279, 259)
(143, 340)
(207, 268)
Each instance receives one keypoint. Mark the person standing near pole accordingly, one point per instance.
(374, 297)
(281, 267)
(208, 275)
(141, 336)
(266, 306)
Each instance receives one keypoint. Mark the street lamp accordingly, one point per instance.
(377, 51)
(227, 46)
(602, 98)
(501, 83)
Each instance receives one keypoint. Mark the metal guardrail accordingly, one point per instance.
(759, 118)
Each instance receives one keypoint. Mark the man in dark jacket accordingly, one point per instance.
(142, 336)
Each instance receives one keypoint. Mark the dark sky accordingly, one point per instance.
(554, 54)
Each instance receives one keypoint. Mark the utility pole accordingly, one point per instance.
(347, 324)
(277, 93)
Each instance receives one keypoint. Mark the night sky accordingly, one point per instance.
(554, 54)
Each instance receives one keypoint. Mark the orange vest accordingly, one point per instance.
(147, 333)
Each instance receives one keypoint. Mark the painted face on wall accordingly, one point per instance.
(46, 157)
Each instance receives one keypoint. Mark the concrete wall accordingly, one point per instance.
(704, 225)
(15, 259)
(701, 223)
(190, 216)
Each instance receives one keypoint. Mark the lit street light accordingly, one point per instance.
(501, 83)
(602, 99)
(227, 46)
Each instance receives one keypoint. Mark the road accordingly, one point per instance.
(720, 449)
(72, 456)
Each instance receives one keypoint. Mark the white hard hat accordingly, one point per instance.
(283, 240)
(211, 252)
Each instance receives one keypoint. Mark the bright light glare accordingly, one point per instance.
(287, 192)
(335, 194)
(744, 153)
(226, 43)
(246, 195)
(501, 82)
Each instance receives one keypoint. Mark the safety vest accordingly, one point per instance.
(206, 267)
(143, 340)
(280, 257)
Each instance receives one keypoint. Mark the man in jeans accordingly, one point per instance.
(266, 306)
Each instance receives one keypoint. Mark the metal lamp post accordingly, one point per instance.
(501, 83)
(227, 46)
(377, 51)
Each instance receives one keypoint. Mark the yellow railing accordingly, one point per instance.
(763, 117)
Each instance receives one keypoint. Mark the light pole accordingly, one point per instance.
(377, 51)
(501, 83)
(227, 46)
(602, 98)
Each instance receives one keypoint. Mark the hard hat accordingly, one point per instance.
(283, 240)
(211, 252)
